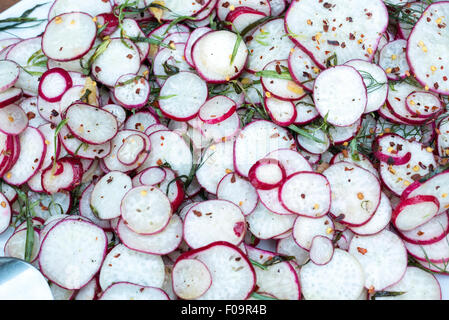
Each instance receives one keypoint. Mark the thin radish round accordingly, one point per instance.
(424, 104)
(132, 91)
(302, 68)
(194, 36)
(64, 175)
(414, 212)
(191, 278)
(321, 250)
(91, 7)
(283, 113)
(217, 109)
(393, 59)
(10, 74)
(432, 231)
(5, 213)
(10, 96)
(131, 291)
(306, 229)
(54, 83)
(13, 120)
(131, 148)
(267, 174)
(239, 191)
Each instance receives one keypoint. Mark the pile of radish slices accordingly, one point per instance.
(229, 149)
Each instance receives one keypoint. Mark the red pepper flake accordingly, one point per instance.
(197, 213)
(362, 250)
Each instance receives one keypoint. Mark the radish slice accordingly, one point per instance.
(107, 195)
(379, 221)
(152, 176)
(140, 121)
(54, 83)
(342, 278)
(310, 145)
(194, 36)
(305, 111)
(436, 252)
(183, 95)
(416, 285)
(233, 276)
(392, 149)
(5, 213)
(125, 265)
(72, 263)
(393, 59)
(86, 209)
(10, 74)
(423, 104)
(191, 278)
(65, 175)
(355, 193)
(91, 124)
(108, 21)
(414, 212)
(306, 229)
(131, 291)
(217, 109)
(168, 61)
(304, 21)
(214, 57)
(307, 194)
(15, 245)
(280, 88)
(76, 147)
(161, 243)
(120, 57)
(10, 96)
(383, 258)
(283, 113)
(217, 220)
(302, 68)
(288, 246)
(266, 174)
(93, 8)
(131, 148)
(13, 120)
(242, 17)
(239, 191)
(69, 36)
(424, 52)
(131, 28)
(29, 105)
(321, 250)
(132, 91)
(432, 231)
(351, 92)
(146, 210)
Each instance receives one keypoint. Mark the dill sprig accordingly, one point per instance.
(24, 18)
(372, 84)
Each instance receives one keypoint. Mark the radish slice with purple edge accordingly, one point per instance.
(233, 276)
(152, 176)
(85, 209)
(10, 96)
(107, 194)
(91, 124)
(122, 264)
(356, 193)
(5, 213)
(424, 104)
(72, 253)
(182, 96)
(108, 21)
(242, 17)
(15, 245)
(191, 278)
(302, 68)
(69, 36)
(225, 7)
(13, 120)
(215, 57)
(288, 247)
(194, 36)
(118, 57)
(140, 121)
(432, 231)
(177, 8)
(31, 155)
(255, 141)
(217, 109)
(383, 258)
(391, 149)
(304, 21)
(267, 174)
(54, 83)
(318, 142)
(379, 221)
(352, 95)
(132, 91)
(414, 212)
(93, 8)
(305, 111)
(274, 276)
(131, 29)
(340, 135)
(376, 83)
(169, 61)
(342, 278)
(305, 229)
(64, 175)
(393, 60)
(276, 79)
(10, 74)
(131, 149)
(321, 250)
(161, 243)
(424, 52)
(146, 210)
(214, 220)
(131, 291)
(282, 112)
(306, 194)
(239, 191)
(416, 284)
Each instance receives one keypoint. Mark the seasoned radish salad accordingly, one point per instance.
(228, 149)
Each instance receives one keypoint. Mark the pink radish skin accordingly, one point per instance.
(62, 74)
(411, 202)
(112, 23)
(254, 178)
(10, 96)
(389, 158)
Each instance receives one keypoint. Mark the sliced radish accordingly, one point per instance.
(10, 74)
(321, 250)
(432, 231)
(283, 113)
(214, 57)
(311, 145)
(436, 252)
(65, 175)
(239, 191)
(130, 28)
(191, 278)
(194, 36)
(140, 121)
(5, 213)
(393, 59)
(414, 212)
(29, 105)
(423, 104)
(91, 7)
(107, 195)
(182, 104)
(267, 174)
(288, 246)
(306, 229)
(352, 94)
(242, 17)
(302, 68)
(214, 220)
(15, 245)
(168, 61)
(10, 96)
(13, 120)
(69, 36)
(54, 83)
(131, 291)
(152, 176)
(304, 21)
(132, 91)
(217, 109)
(72, 253)
(383, 258)
(131, 148)
(81, 149)
(355, 193)
(392, 149)
(423, 50)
